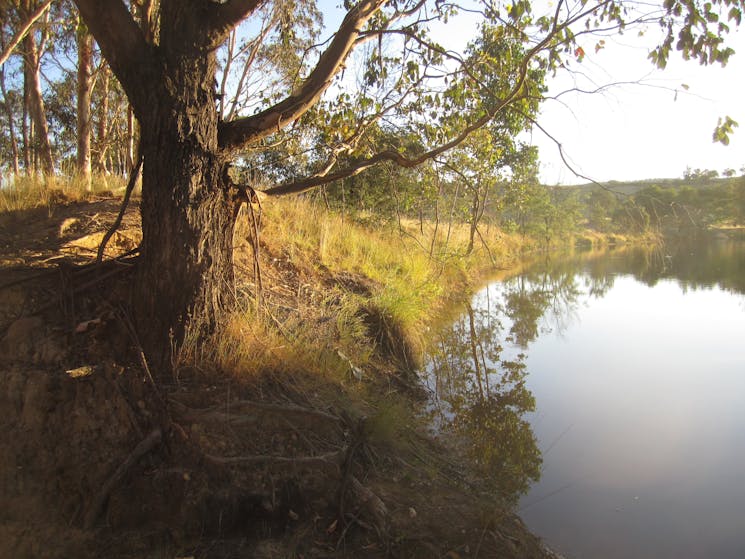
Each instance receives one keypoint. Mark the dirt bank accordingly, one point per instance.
(99, 460)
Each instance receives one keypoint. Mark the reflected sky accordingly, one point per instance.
(641, 419)
(636, 363)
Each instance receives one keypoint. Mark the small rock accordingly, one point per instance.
(80, 372)
(68, 225)
(21, 337)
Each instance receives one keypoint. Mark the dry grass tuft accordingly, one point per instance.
(337, 294)
(23, 193)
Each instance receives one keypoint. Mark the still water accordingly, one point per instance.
(604, 396)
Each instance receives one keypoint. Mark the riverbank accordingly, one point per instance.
(294, 433)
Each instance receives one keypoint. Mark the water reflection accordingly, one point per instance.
(481, 399)
(634, 359)
(693, 265)
(537, 302)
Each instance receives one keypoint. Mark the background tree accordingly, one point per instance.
(601, 206)
(84, 90)
(34, 44)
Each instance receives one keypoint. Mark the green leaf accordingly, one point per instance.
(723, 130)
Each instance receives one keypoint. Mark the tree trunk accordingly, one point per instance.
(474, 221)
(102, 126)
(36, 104)
(185, 277)
(130, 137)
(85, 83)
(11, 127)
(26, 132)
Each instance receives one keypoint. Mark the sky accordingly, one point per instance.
(652, 130)
(655, 128)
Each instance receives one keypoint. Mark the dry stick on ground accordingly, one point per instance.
(237, 405)
(366, 502)
(371, 505)
(124, 317)
(322, 461)
(125, 202)
(145, 446)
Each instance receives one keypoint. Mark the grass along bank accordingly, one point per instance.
(331, 285)
(294, 432)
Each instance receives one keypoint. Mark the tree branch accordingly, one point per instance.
(399, 158)
(23, 30)
(124, 47)
(516, 93)
(224, 17)
(238, 133)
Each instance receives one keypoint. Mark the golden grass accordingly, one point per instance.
(408, 269)
(31, 192)
(406, 277)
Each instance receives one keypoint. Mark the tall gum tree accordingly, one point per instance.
(185, 274)
(32, 53)
(188, 202)
(83, 98)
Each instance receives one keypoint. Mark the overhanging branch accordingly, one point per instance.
(124, 47)
(244, 131)
(224, 17)
(516, 93)
(391, 156)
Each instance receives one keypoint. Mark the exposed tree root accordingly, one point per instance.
(242, 406)
(323, 461)
(97, 505)
(369, 505)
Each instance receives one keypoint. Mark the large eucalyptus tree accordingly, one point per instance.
(396, 73)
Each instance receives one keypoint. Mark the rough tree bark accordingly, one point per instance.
(185, 274)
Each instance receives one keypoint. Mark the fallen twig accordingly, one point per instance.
(322, 461)
(238, 405)
(125, 202)
(97, 505)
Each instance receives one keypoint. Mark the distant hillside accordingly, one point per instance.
(632, 187)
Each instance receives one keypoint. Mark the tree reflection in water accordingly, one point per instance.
(481, 399)
(479, 391)
(480, 395)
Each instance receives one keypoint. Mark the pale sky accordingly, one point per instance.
(643, 131)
